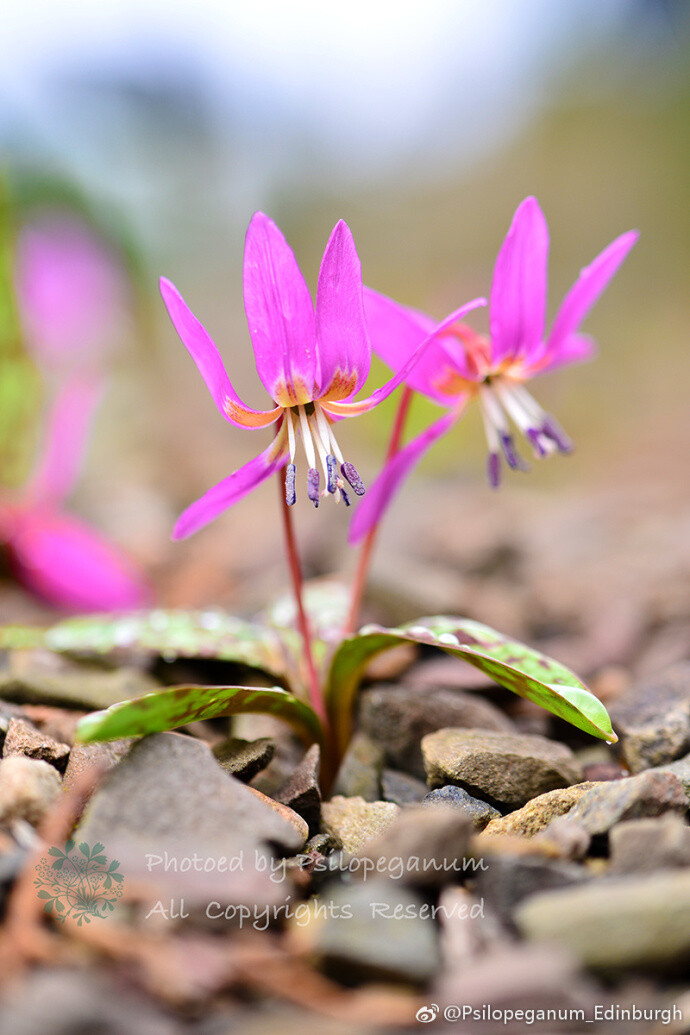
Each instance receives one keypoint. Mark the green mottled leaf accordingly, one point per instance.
(168, 633)
(326, 602)
(177, 706)
(521, 669)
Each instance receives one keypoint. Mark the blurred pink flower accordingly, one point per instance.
(72, 292)
(312, 361)
(57, 556)
(460, 365)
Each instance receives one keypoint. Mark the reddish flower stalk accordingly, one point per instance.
(367, 549)
(315, 696)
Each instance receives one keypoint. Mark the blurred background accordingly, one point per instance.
(165, 126)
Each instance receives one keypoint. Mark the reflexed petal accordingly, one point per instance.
(395, 332)
(518, 290)
(69, 564)
(576, 349)
(231, 489)
(280, 315)
(588, 287)
(65, 438)
(341, 332)
(205, 354)
(381, 493)
(353, 409)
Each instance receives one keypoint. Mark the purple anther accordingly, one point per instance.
(555, 432)
(534, 435)
(350, 475)
(290, 495)
(346, 498)
(513, 458)
(313, 485)
(332, 471)
(493, 470)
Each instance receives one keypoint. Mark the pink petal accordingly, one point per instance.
(578, 348)
(380, 495)
(353, 409)
(72, 291)
(65, 438)
(518, 290)
(67, 563)
(231, 489)
(588, 287)
(205, 354)
(396, 332)
(341, 332)
(280, 315)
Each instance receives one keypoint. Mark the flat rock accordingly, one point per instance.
(681, 769)
(285, 812)
(377, 930)
(34, 677)
(616, 924)
(359, 775)
(169, 801)
(505, 768)
(301, 790)
(646, 845)
(244, 758)
(28, 787)
(424, 846)
(505, 880)
(24, 739)
(355, 821)
(104, 755)
(399, 716)
(539, 812)
(653, 720)
(478, 812)
(401, 788)
(647, 794)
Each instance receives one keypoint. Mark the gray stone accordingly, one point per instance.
(645, 845)
(69, 684)
(398, 717)
(616, 924)
(505, 880)
(401, 788)
(516, 977)
(478, 812)
(103, 755)
(244, 758)
(168, 801)
(23, 739)
(359, 775)
(28, 787)
(538, 813)
(377, 930)
(425, 846)
(647, 794)
(505, 768)
(653, 720)
(355, 821)
(302, 792)
(681, 769)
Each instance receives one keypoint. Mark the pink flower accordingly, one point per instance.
(57, 556)
(71, 289)
(460, 365)
(312, 361)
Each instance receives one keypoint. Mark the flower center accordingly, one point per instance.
(312, 425)
(500, 399)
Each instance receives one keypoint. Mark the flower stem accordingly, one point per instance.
(315, 697)
(360, 579)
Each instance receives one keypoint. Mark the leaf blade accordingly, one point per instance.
(176, 706)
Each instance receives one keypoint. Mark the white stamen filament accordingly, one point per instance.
(525, 412)
(289, 417)
(306, 438)
(322, 450)
(327, 436)
(488, 407)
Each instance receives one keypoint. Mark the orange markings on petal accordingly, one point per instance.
(250, 419)
(295, 393)
(342, 386)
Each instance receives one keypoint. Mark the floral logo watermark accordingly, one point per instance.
(79, 882)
